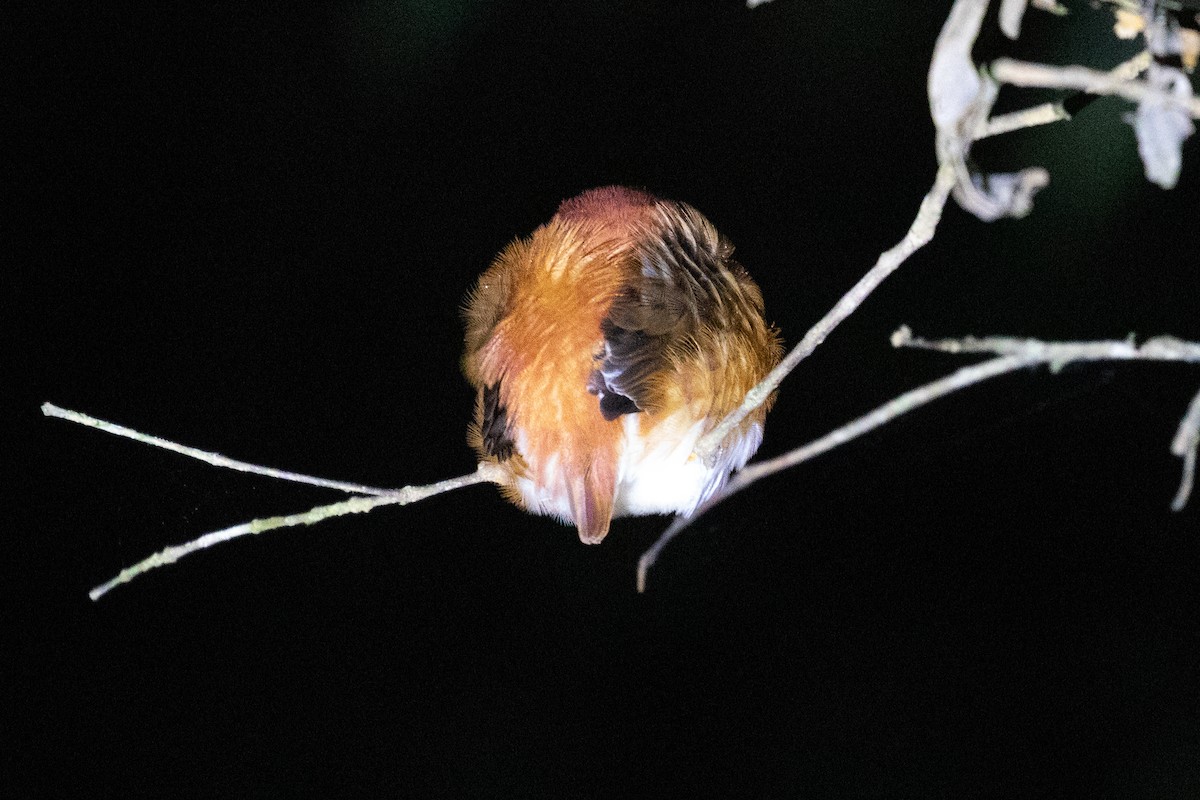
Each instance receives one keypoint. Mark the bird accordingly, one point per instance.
(602, 347)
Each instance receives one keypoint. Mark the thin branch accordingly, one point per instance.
(961, 99)
(919, 234)
(1046, 113)
(885, 413)
(216, 459)
(1058, 354)
(954, 45)
(1024, 73)
(1012, 354)
(1030, 117)
(355, 505)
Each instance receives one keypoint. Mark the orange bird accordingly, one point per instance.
(602, 348)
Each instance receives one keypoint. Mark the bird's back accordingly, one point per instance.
(602, 347)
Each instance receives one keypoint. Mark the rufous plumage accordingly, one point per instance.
(602, 347)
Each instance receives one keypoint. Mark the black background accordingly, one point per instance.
(250, 230)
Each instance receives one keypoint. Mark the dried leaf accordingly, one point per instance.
(1002, 194)
(1161, 127)
(1129, 23)
(1189, 48)
(954, 81)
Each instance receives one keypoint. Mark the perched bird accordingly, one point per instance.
(602, 348)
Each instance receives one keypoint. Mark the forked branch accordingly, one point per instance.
(486, 473)
(961, 97)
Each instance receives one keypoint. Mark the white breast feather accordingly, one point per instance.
(660, 475)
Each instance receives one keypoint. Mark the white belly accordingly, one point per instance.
(656, 474)
(659, 474)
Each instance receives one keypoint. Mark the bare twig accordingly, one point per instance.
(960, 100)
(1012, 354)
(216, 459)
(885, 413)
(1024, 73)
(1030, 117)
(919, 234)
(1058, 354)
(1054, 112)
(948, 108)
(355, 505)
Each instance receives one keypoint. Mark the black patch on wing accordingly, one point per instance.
(685, 274)
(493, 426)
(612, 403)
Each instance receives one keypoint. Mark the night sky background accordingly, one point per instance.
(251, 231)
